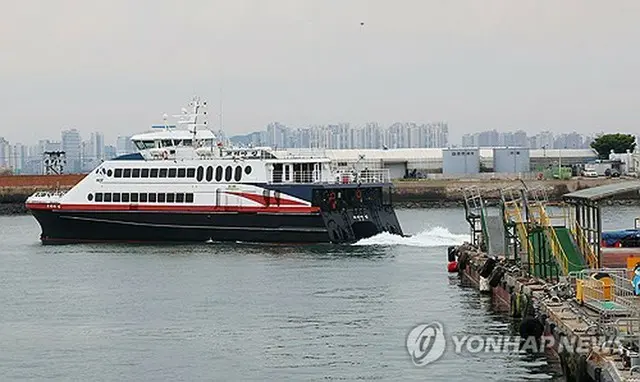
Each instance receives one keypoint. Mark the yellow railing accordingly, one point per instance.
(513, 211)
(584, 246)
(556, 248)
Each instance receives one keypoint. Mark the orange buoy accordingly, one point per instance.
(452, 267)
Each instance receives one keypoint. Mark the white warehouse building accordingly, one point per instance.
(420, 162)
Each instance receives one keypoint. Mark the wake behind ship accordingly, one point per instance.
(182, 185)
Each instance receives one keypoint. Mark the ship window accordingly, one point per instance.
(191, 172)
(148, 145)
(228, 173)
(125, 197)
(186, 142)
(152, 197)
(143, 197)
(90, 197)
(109, 172)
(182, 172)
(116, 197)
(161, 197)
(238, 173)
(200, 175)
(209, 173)
(144, 173)
(98, 196)
(118, 173)
(163, 173)
(135, 173)
(172, 173)
(180, 197)
(189, 198)
(171, 197)
(247, 170)
(167, 143)
(126, 173)
(134, 197)
(218, 173)
(153, 173)
(107, 196)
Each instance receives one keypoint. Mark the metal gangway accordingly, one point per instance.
(474, 215)
(513, 209)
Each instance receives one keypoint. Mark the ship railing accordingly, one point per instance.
(378, 175)
(46, 196)
(339, 177)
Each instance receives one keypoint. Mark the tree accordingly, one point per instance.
(619, 143)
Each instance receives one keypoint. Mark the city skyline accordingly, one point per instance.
(530, 65)
(85, 152)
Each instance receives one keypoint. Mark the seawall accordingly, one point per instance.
(15, 189)
(446, 193)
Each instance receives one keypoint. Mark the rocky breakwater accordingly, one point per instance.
(449, 193)
(15, 189)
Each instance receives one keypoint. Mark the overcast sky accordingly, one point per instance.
(118, 65)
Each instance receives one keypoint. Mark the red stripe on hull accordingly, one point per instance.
(169, 208)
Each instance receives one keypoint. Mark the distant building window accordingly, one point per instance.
(153, 173)
(172, 173)
(90, 197)
(118, 173)
(189, 198)
(126, 173)
(191, 172)
(125, 197)
(98, 196)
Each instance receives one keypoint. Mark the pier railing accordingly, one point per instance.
(583, 245)
(539, 216)
(513, 213)
(609, 292)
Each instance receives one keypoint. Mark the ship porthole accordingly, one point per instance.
(109, 172)
(90, 197)
(247, 170)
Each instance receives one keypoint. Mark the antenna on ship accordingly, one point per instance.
(192, 119)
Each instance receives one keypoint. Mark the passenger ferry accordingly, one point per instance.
(183, 185)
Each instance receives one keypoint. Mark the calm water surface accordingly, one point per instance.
(245, 312)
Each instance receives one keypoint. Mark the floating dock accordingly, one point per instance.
(544, 265)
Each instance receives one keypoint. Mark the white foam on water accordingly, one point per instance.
(433, 237)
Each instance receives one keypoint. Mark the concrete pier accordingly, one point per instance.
(551, 303)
